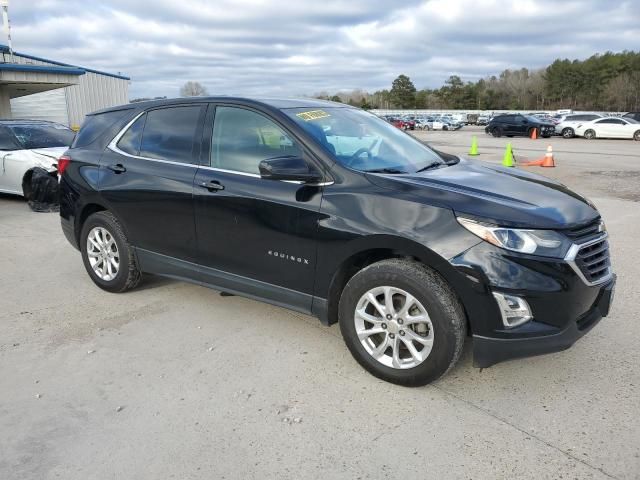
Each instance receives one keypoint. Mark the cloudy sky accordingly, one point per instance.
(295, 47)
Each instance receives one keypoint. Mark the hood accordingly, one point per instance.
(503, 196)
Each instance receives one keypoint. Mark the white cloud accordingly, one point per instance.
(293, 48)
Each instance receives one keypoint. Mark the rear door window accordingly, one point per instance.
(169, 133)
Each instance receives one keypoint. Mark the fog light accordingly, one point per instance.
(514, 310)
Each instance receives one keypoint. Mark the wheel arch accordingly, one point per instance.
(369, 250)
(86, 211)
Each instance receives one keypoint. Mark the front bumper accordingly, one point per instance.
(488, 351)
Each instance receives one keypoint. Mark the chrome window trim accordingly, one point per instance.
(570, 258)
(113, 146)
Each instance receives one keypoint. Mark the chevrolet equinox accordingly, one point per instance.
(331, 211)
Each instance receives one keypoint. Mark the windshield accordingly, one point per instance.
(42, 136)
(364, 142)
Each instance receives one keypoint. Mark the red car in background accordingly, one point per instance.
(401, 124)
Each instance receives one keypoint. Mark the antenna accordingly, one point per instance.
(7, 27)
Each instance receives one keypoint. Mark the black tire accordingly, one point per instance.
(128, 275)
(636, 136)
(432, 291)
(568, 132)
(590, 134)
(496, 131)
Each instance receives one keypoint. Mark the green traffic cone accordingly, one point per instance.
(474, 146)
(507, 159)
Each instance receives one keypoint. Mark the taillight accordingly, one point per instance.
(63, 163)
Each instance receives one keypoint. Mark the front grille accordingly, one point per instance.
(584, 232)
(593, 260)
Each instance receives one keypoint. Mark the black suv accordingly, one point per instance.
(513, 125)
(331, 211)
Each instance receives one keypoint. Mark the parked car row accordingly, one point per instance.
(587, 125)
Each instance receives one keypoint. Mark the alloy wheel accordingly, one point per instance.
(102, 252)
(394, 327)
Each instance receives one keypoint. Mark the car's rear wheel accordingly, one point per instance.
(496, 131)
(636, 136)
(107, 255)
(568, 132)
(402, 322)
(590, 134)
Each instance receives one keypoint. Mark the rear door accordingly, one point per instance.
(147, 179)
(255, 235)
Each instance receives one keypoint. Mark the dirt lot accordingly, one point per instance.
(174, 381)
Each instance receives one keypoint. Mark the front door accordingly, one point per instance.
(255, 235)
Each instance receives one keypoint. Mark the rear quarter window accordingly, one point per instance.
(94, 125)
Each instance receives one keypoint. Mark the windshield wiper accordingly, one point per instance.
(430, 166)
(386, 170)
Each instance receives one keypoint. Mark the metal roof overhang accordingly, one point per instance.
(20, 80)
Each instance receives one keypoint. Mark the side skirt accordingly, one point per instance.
(166, 266)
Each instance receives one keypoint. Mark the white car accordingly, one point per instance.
(28, 145)
(610, 127)
(567, 123)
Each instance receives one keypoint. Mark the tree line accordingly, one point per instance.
(602, 82)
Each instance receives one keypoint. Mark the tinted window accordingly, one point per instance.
(8, 140)
(505, 118)
(242, 139)
(589, 117)
(607, 120)
(130, 141)
(169, 133)
(94, 125)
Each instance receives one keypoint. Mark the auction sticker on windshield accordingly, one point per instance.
(312, 115)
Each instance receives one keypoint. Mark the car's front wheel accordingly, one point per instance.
(402, 322)
(568, 132)
(636, 136)
(496, 131)
(590, 134)
(107, 255)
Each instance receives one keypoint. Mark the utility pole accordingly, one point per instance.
(7, 27)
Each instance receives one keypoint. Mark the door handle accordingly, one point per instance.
(212, 186)
(117, 168)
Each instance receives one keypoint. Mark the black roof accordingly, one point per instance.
(273, 102)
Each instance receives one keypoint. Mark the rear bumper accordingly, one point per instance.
(488, 351)
(69, 231)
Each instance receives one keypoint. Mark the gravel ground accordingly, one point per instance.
(174, 381)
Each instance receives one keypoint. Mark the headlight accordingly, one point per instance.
(546, 243)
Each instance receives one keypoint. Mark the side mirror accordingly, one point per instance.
(288, 168)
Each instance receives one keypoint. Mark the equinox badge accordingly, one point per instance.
(285, 256)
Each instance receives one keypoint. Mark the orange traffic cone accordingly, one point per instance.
(546, 161)
(548, 158)
(534, 134)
